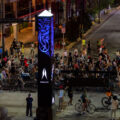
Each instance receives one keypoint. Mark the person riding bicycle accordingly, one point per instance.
(109, 95)
(84, 99)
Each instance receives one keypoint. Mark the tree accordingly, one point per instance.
(86, 22)
(72, 29)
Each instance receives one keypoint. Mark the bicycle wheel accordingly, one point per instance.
(91, 108)
(78, 107)
(105, 101)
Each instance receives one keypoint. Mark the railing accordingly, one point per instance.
(91, 78)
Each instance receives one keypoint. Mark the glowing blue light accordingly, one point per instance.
(52, 37)
(46, 35)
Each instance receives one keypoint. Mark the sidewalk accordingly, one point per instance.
(24, 36)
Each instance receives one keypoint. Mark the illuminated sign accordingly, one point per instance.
(44, 73)
(46, 33)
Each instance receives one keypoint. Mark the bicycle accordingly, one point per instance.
(90, 108)
(106, 101)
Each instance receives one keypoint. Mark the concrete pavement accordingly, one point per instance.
(16, 104)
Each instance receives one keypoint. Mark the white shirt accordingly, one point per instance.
(114, 104)
(65, 53)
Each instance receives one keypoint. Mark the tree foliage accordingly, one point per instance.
(93, 6)
(72, 30)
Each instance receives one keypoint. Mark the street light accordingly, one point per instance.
(82, 19)
(99, 11)
(2, 27)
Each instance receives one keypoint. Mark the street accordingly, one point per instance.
(110, 31)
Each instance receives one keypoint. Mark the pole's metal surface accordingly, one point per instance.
(2, 27)
(99, 10)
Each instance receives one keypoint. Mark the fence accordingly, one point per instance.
(91, 78)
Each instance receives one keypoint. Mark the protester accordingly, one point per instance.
(70, 95)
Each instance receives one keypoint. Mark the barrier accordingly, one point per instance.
(91, 78)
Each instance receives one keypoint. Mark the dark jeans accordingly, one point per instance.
(28, 110)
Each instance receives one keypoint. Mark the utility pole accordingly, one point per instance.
(99, 11)
(82, 7)
(2, 27)
(46, 4)
(83, 12)
(30, 10)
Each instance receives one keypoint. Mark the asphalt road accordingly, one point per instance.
(110, 31)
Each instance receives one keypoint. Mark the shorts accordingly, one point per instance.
(60, 100)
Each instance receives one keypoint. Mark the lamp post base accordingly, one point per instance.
(44, 113)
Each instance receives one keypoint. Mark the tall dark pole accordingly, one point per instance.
(99, 10)
(45, 73)
(2, 26)
(82, 12)
(46, 4)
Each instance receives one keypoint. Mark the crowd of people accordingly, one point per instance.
(84, 62)
(15, 68)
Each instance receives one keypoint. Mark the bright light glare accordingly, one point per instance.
(45, 13)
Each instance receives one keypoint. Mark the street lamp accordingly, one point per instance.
(99, 11)
(82, 19)
(2, 27)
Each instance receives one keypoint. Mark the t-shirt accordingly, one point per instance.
(61, 93)
(114, 104)
(65, 53)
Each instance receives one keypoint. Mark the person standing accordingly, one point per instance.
(70, 60)
(114, 107)
(118, 76)
(89, 47)
(70, 95)
(61, 97)
(32, 50)
(84, 99)
(29, 101)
